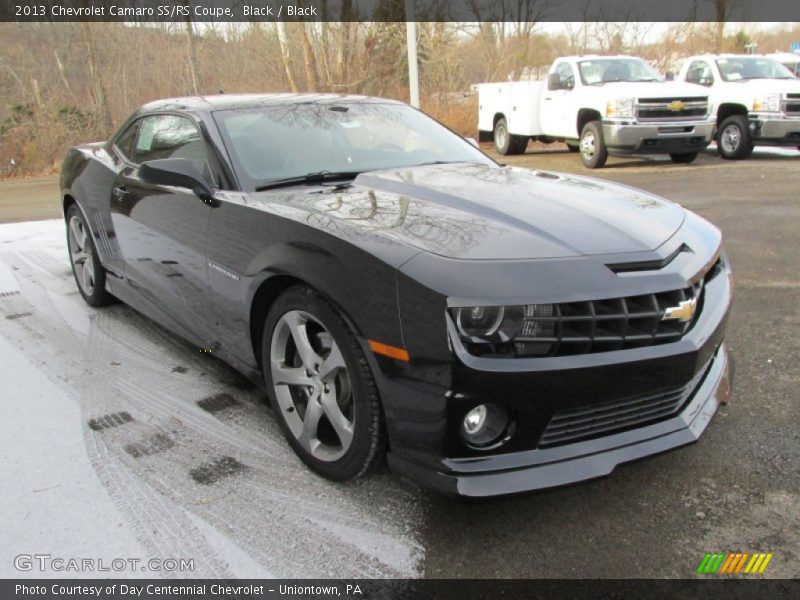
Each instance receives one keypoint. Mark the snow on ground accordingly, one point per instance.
(107, 451)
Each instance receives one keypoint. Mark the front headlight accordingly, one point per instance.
(768, 103)
(531, 324)
(621, 107)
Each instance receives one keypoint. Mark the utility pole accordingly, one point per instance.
(411, 42)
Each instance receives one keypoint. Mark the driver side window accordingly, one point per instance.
(170, 136)
(700, 72)
(566, 76)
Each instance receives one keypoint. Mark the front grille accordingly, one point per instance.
(791, 106)
(613, 324)
(587, 422)
(664, 109)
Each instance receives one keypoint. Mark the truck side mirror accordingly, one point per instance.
(554, 82)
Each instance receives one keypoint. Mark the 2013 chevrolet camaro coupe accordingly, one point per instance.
(487, 329)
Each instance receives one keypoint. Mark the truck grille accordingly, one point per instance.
(791, 106)
(587, 422)
(672, 109)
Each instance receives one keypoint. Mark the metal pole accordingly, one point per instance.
(411, 42)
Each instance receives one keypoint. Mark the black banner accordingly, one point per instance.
(395, 10)
(444, 589)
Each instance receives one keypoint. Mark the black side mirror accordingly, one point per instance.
(670, 76)
(554, 81)
(177, 172)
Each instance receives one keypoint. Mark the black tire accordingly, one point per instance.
(503, 142)
(367, 446)
(573, 147)
(733, 138)
(592, 137)
(90, 276)
(683, 158)
(519, 143)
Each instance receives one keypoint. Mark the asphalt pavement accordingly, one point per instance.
(737, 489)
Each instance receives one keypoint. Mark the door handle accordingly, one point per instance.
(548, 97)
(119, 192)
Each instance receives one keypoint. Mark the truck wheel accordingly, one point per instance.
(594, 153)
(733, 138)
(573, 147)
(684, 158)
(519, 144)
(502, 139)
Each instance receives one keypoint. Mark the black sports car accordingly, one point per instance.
(488, 329)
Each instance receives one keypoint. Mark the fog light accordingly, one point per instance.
(484, 425)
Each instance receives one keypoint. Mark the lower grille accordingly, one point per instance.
(791, 105)
(580, 424)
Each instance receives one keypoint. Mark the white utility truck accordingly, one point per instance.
(598, 105)
(756, 100)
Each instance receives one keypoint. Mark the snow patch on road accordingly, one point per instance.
(103, 419)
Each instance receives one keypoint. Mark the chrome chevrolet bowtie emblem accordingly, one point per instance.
(676, 105)
(683, 312)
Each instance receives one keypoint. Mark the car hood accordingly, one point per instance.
(487, 212)
(766, 86)
(664, 89)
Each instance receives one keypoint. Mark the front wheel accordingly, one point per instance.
(684, 158)
(594, 153)
(733, 139)
(89, 273)
(321, 387)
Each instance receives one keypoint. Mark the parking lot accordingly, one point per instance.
(119, 440)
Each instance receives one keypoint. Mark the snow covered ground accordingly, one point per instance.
(120, 441)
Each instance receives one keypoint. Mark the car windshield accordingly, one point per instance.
(609, 70)
(743, 68)
(276, 143)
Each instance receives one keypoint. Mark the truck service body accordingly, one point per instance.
(598, 105)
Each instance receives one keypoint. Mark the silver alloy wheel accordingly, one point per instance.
(312, 385)
(730, 138)
(81, 256)
(588, 145)
(500, 136)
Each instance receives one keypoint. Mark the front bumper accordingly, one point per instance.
(774, 130)
(552, 467)
(631, 137)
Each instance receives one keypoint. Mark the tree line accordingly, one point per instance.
(68, 83)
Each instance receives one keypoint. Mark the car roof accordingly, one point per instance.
(240, 101)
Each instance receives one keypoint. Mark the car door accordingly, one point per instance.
(557, 117)
(161, 230)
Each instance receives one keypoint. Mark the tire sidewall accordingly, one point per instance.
(99, 296)
(352, 464)
(502, 124)
(745, 147)
(600, 151)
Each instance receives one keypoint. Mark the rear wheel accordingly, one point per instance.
(520, 144)
(89, 273)
(321, 386)
(502, 139)
(683, 158)
(733, 139)
(594, 153)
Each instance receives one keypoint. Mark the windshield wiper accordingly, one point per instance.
(314, 177)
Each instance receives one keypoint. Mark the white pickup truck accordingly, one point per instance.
(598, 105)
(756, 100)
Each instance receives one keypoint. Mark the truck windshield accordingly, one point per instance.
(744, 68)
(273, 143)
(609, 70)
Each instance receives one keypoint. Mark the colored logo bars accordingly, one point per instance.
(736, 562)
